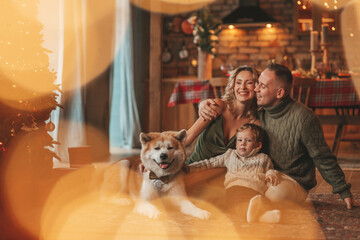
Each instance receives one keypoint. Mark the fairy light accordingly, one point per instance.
(333, 28)
(298, 2)
(351, 35)
(231, 26)
(268, 25)
(304, 7)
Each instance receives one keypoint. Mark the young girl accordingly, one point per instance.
(248, 175)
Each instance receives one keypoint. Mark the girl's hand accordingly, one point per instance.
(272, 179)
(210, 109)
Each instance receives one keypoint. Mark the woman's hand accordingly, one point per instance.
(210, 109)
(274, 180)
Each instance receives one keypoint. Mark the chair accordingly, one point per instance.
(349, 116)
(303, 87)
(218, 83)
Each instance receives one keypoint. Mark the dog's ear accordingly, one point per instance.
(181, 136)
(144, 138)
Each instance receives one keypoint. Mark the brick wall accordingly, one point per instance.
(254, 46)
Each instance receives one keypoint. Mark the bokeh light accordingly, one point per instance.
(171, 6)
(28, 176)
(74, 210)
(87, 33)
(331, 4)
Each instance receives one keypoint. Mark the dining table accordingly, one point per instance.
(326, 93)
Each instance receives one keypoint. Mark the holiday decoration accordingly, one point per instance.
(206, 30)
(27, 93)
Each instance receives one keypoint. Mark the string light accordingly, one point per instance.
(333, 28)
(268, 25)
(231, 26)
(351, 35)
(299, 2)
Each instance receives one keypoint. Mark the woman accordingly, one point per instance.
(237, 107)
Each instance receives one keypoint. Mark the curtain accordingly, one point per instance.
(86, 51)
(124, 121)
(71, 128)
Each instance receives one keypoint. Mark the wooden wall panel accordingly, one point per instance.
(178, 117)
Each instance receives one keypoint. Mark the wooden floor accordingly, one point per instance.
(351, 175)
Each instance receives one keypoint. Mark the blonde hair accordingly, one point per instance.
(229, 96)
(258, 131)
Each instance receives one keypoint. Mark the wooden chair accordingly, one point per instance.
(304, 86)
(349, 116)
(218, 83)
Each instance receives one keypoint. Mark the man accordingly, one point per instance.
(296, 142)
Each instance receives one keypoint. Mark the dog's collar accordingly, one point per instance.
(164, 179)
(160, 181)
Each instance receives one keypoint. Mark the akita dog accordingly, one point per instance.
(158, 172)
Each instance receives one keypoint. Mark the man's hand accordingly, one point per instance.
(350, 202)
(272, 179)
(209, 109)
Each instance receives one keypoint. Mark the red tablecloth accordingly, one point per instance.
(326, 93)
(190, 91)
(329, 93)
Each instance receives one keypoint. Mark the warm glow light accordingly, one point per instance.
(350, 17)
(298, 2)
(25, 61)
(268, 25)
(194, 62)
(304, 7)
(325, 5)
(333, 28)
(74, 211)
(231, 26)
(171, 6)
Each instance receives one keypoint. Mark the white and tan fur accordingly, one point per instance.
(164, 155)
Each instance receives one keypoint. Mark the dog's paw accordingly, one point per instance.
(202, 214)
(147, 210)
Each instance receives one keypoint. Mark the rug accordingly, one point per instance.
(73, 211)
(335, 220)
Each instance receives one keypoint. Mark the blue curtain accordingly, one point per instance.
(124, 117)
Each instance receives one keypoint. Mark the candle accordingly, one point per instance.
(324, 33)
(314, 40)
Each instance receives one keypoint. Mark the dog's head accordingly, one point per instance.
(163, 153)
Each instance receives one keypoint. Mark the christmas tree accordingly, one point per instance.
(27, 90)
(27, 97)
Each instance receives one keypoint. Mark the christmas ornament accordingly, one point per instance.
(50, 126)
